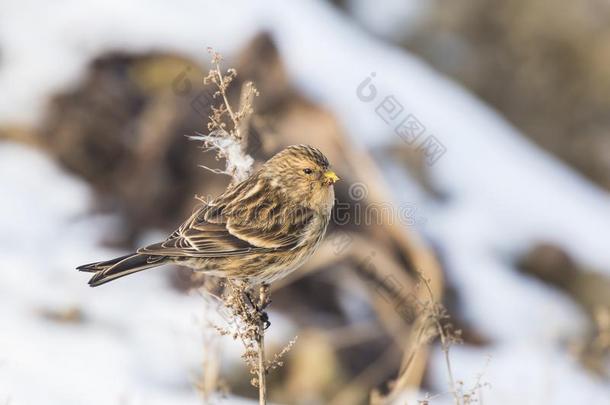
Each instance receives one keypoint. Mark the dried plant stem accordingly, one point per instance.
(262, 372)
(444, 332)
(260, 341)
(445, 347)
(228, 135)
(222, 86)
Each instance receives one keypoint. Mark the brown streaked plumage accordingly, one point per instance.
(259, 230)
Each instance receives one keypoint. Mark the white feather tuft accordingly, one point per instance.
(238, 164)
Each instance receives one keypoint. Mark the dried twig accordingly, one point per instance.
(432, 320)
(227, 127)
(260, 340)
(228, 135)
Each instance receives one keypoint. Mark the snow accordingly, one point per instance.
(139, 342)
(392, 19)
(526, 374)
(504, 194)
(59, 41)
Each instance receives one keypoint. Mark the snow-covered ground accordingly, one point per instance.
(504, 193)
(139, 342)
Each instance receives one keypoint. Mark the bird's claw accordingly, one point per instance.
(260, 310)
(265, 320)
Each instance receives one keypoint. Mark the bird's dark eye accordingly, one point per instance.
(307, 171)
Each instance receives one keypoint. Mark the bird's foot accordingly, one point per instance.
(264, 317)
(259, 309)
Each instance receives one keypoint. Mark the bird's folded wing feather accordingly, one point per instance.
(216, 231)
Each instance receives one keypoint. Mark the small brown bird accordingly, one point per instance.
(258, 230)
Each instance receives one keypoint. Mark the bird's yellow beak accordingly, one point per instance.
(331, 177)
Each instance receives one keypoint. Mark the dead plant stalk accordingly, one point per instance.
(228, 137)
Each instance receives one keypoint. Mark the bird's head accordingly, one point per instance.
(302, 173)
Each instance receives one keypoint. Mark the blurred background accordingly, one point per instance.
(473, 142)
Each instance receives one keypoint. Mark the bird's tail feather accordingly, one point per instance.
(121, 266)
(98, 266)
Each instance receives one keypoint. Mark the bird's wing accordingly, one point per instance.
(253, 213)
(197, 237)
(280, 229)
(216, 230)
